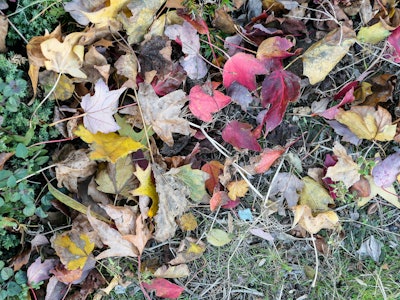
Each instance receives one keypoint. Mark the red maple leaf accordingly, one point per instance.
(240, 135)
(242, 68)
(205, 100)
(278, 89)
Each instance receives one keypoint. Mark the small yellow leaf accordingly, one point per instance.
(73, 249)
(373, 34)
(324, 220)
(367, 123)
(315, 196)
(108, 146)
(146, 188)
(322, 57)
(237, 189)
(188, 222)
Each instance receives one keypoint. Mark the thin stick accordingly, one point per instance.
(316, 263)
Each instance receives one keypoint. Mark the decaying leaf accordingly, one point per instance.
(322, 57)
(315, 196)
(3, 33)
(100, 107)
(218, 237)
(141, 236)
(388, 193)
(127, 65)
(385, 172)
(262, 162)
(188, 222)
(164, 288)
(189, 249)
(372, 248)
(373, 34)
(163, 113)
(73, 248)
(369, 123)
(105, 15)
(178, 271)
(323, 220)
(213, 169)
(218, 199)
(108, 146)
(237, 189)
(288, 186)
(124, 217)
(40, 271)
(345, 169)
(64, 89)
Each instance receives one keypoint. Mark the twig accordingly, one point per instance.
(146, 295)
(316, 263)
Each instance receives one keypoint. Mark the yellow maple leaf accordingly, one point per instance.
(103, 16)
(108, 146)
(367, 123)
(324, 220)
(237, 189)
(73, 249)
(146, 188)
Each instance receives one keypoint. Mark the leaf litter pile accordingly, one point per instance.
(270, 122)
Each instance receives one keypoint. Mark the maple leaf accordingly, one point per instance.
(322, 57)
(288, 186)
(164, 288)
(345, 169)
(242, 68)
(324, 220)
(108, 146)
(237, 189)
(141, 236)
(388, 193)
(204, 100)
(163, 113)
(146, 188)
(73, 248)
(367, 123)
(64, 57)
(278, 89)
(124, 217)
(100, 107)
(240, 135)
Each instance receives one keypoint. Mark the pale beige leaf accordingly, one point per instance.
(189, 249)
(163, 113)
(345, 169)
(388, 193)
(141, 236)
(123, 216)
(324, 220)
(127, 65)
(178, 271)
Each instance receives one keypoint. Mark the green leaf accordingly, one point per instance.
(194, 180)
(127, 130)
(29, 210)
(6, 273)
(218, 237)
(11, 181)
(1, 201)
(21, 151)
(13, 289)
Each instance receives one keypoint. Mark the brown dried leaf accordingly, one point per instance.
(189, 249)
(123, 216)
(141, 236)
(3, 33)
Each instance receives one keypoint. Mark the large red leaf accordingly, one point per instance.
(203, 101)
(164, 288)
(240, 135)
(278, 89)
(242, 68)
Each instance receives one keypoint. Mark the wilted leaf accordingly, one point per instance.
(146, 188)
(373, 34)
(178, 271)
(324, 220)
(188, 222)
(204, 100)
(240, 135)
(385, 172)
(278, 89)
(289, 186)
(118, 246)
(189, 250)
(275, 47)
(367, 123)
(322, 57)
(388, 193)
(73, 248)
(218, 199)
(164, 288)
(141, 236)
(345, 169)
(213, 169)
(237, 189)
(108, 146)
(315, 196)
(103, 16)
(163, 113)
(371, 247)
(64, 57)
(64, 89)
(218, 237)
(40, 271)
(127, 65)
(242, 68)
(331, 112)
(123, 216)
(100, 107)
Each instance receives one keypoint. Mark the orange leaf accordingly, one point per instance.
(267, 158)
(218, 199)
(214, 169)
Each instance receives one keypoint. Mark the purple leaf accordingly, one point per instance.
(386, 171)
(39, 271)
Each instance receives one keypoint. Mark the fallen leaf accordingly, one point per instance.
(372, 248)
(189, 250)
(218, 199)
(72, 248)
(394, 41)
(64, 57)
(107, 146)
(164, 288)
(240, 135)
(287, 185)
(275, 47)
(262, 234)
(322, 57)
(3, 33)
(218, 237)
(178, 271)
(213, 168)
(39, 271)
(127, 65)
(65, 87)
(345, 132)
(380, 89)
(116, 178)
(146, 188)
(278, 89)
(262, 162)
(315, 196)
(331, 112)
(373, 34)
(324, 220)
(361, 187)
(118, 246)
(204, 101)
(385, 172)
(103, 16)
(367, 123)
(100, 107)
(345, 169)
(242, 68)
(141, 236)
(163, 113)
(237, 189)
(388, 193)
(240, 95)
(188, 222)
(124, 217)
